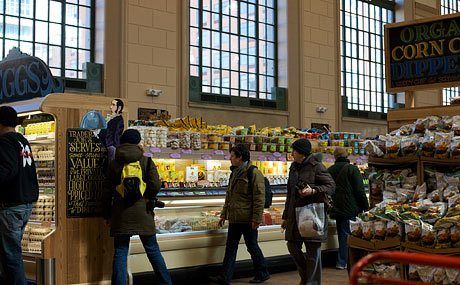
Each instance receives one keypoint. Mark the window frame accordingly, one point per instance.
(252, 90)
(356, 36)
(18, 41)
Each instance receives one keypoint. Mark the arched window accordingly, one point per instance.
(60, 32)
(362, 54)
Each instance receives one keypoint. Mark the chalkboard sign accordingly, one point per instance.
(24, 77)
(86, 165)
(423, 54)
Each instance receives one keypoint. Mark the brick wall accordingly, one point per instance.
(151, 54)
(319, 61)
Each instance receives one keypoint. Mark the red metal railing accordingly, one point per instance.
(400, 257)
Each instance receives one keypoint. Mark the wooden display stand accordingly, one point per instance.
(400, 117)
(80, 247)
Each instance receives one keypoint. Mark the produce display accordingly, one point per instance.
(206, 221)
(427, 215)
(195, 134)
(433, 136)
(384, 270)
(43, 209)
(433, 275)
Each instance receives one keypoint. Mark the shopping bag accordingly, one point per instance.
(311, 220)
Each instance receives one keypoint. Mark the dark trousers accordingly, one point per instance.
(250, 238)
(309, 264)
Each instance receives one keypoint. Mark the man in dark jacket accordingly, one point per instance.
(19, 190)
(135, 217)
(244, 211)
(308, 183)
(349, 200)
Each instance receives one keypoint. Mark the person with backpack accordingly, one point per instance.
(19, 189)
(243, 208)
(349, 200)
(308, 183)
(132, 184)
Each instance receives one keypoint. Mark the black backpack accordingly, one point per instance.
(268, 190)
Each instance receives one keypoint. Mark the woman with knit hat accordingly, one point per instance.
(309, 183)
(349, 200)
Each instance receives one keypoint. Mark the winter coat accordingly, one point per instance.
(349, 197)
(314, 173)
(241, 206)
(135, 219)
(18, 175)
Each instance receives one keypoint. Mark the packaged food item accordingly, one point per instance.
(204, 145)
(272, 147)
(280, 148)
(439, 276)
(426, 273)
(258, 140)
(455, 148)
(224, 146)
(435, 196)
(456, 125)
(453, 276)
(230, 139)
(185, 140)
(356, 228)
(213, 145)
(428, 235)
(409, 145)
(449, 192)
(420, 192)
(432, 123)
(394, 229)
(196, 141)
(443, 240)
(214, 138)
(442, 145)
(380, 230)
(262, 147)
(413, 273)
(252, 147)
(392, 145)
(455, 236)
(413, 231)
(420, 126)
(368, 230)
(404, 195)
(249, 139)
(389, 196)
(405, 130)
(387, 271)
(427, 143)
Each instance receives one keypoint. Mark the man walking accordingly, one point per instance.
(19, 189)
(243, 208)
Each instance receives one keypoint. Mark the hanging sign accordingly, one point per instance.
(24, 77)
(86, 165)
(423, 54)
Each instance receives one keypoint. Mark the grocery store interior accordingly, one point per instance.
(378, 77)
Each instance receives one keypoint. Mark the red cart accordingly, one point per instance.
(400, 257)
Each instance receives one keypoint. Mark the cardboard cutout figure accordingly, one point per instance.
(115, 127)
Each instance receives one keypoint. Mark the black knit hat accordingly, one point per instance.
(8, 116)
(130, 136)
(302, 146)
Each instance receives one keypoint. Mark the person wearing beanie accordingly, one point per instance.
(308, 183)
(128, 218)
(349, 200)
(18, 178)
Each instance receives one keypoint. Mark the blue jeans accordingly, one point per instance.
(343, 230)
(250, 238)
(121, 244)
(13, 220)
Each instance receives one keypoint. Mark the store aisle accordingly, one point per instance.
(331, 276)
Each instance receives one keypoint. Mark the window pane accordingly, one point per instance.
(56, 11)
(206, 20)
(84, 38)
(55, 56)
(84, 18)
(11, 29)
(41, 51)
(215, 40)
(27, 8)
(71, 39)
(41, 10)
(83, 56)
(71, 15)
(206, 38)
(194, 56)
(207, 5)
(194, 37)
(206, 57)
(26, 30)
(27, 48)
(71, 58)
(215, 6)
(12, 8)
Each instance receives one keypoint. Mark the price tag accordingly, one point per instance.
(277, 154)
(206, 156)
(148, 154)
(155, 149)
(219, 152)
(186, 151)
(175, 155)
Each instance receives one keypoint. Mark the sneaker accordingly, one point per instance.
(339, 267)
(218, 280)
(259, 280)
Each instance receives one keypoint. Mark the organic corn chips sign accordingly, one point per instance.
(423, 54)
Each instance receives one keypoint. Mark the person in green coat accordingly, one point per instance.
(243, 208)
(349, 200)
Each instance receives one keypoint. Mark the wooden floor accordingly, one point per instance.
(331, 276)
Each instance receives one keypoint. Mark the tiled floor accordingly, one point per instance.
(331, 276)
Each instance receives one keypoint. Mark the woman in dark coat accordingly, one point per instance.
(349, 200)
(135, 217)
(306, 169)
